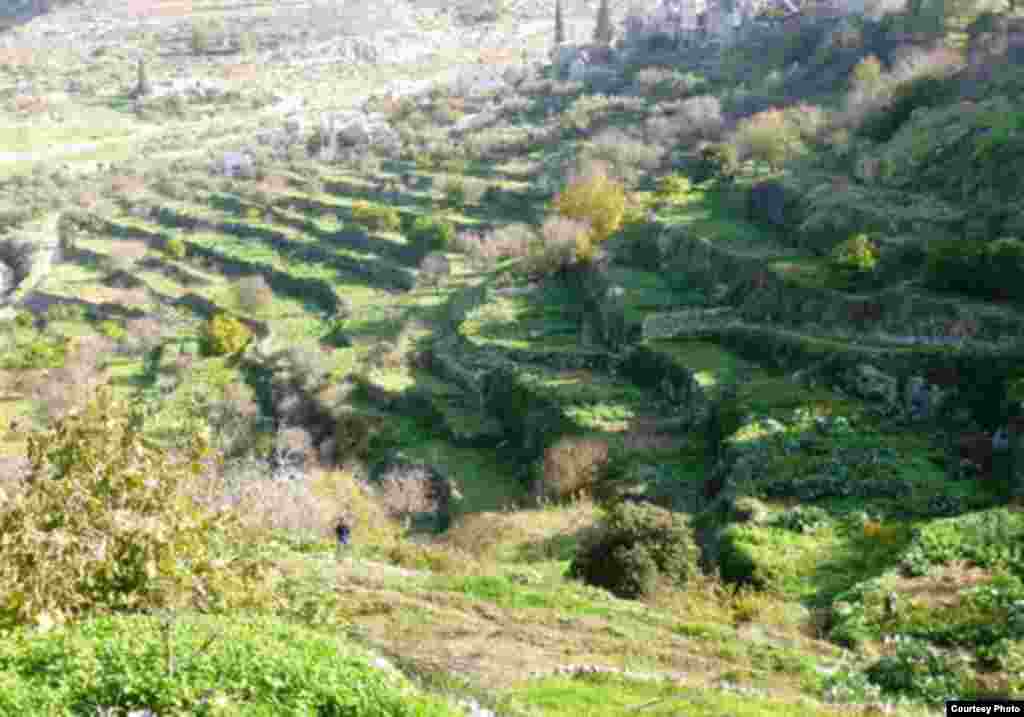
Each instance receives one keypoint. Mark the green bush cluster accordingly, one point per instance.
(718, 160)
(105, 522)
(632, 547)
(374, 217)
(198, 665)
(992, 269)
(224, 334)
(926, 91)
(431, 233)
(673, 187)
(856, 256)
(175, 248)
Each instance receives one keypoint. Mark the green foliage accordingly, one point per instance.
(224, 334)
(105, 522)
(595, 199)
(673, 187)
(35, 351)
(990, 269)
(769, 136)
(632, 546)
(915, 669)
(432, 233)
(719, 160)
(990, 539)
(197, 665)
(454, 192)
(175, 248)
(920, 92)
(376, 218)
(857, 255)
(112, 329)
(868, 72)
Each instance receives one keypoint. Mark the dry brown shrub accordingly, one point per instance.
(497, 56)
(127, 184)
(129, 251)
(273, 184)
(87, 199)
(295, 442)
(30, 104)
(128, 298)
(65, 389)
(480, 534)
(16, 56)
(145, 332)
(572, 466)
(403, 498)
(436, 558)
(241, 71)
(289, 506)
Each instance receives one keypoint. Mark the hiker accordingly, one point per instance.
(343, 533)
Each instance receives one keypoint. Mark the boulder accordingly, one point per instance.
(237, 164)
(870, 383)
(8, 279)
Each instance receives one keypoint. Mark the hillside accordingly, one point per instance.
(665, 378)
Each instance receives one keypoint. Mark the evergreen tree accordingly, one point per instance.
(603, 33)
(559, 25)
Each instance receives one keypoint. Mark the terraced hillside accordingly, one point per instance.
(697, 466)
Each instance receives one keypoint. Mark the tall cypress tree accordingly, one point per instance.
(559, 24)
(603, 33)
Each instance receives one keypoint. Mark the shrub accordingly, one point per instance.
(719, 160)
(768, 136)
(227, 665)
(926, 91)
(203, 37)
(595, 199)
(175, 248)
(572, 466)
(624, 156)
(224, 334)
(868, 73)
(700, 118)
(253, 293)
(374, 217)
(673, 186)
(454, 191)
(993, 269)
(857, 255)
(563, 242)
(112, 329)
(105, 521)
(432, 233)
(632, 546)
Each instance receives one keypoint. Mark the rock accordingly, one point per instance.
(766, 204)
(434, 267)
(8, 279)
(870, 383)
(237, 164)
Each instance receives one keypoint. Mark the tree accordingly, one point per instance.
(603, 33)
(559, 25)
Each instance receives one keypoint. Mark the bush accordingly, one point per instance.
(768, 136)
(595, 199)
(564, 242)
(719, 160)
(632, 547)
(376, 218)
(868, 73)
(700, 118)
(673, 186)
(857, 255)
(175, 248)
(224, 334)
(454, 192)
(920, 92)
(624, 156)
(432, 233)
(105, 522)
(226, 665)
(112, 329)
(572, 466)
(991, 269)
